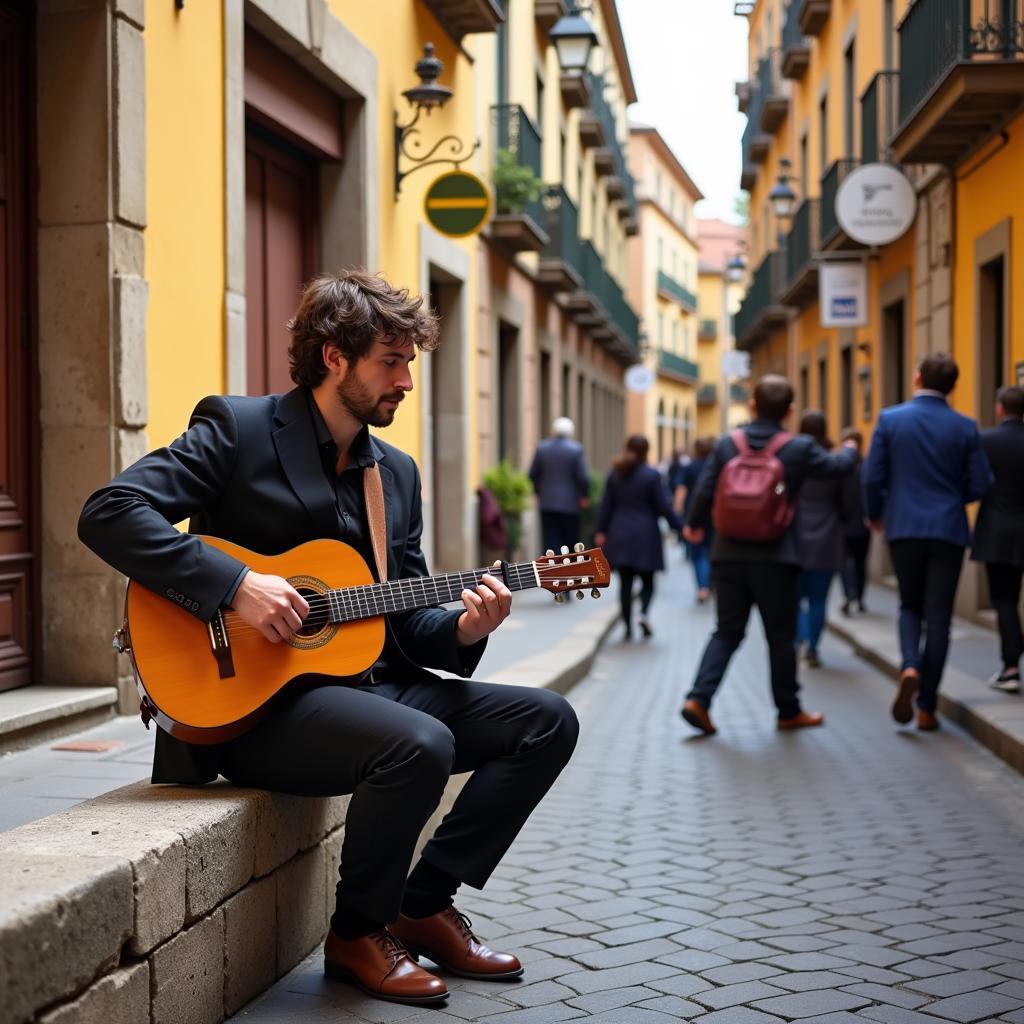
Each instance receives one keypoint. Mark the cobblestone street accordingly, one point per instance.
(853, 873)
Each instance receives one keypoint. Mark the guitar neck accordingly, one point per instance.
(347, 604)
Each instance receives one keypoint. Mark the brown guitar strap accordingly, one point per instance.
(373, 494)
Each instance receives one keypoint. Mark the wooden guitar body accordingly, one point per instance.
(207, 683)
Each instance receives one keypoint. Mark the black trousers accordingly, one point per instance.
(393, 746)
(775, 589)
(855, 567)
(560, 529)
(626, 578)
(1004, 583)
(928, 572)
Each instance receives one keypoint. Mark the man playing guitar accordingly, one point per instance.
(273, 472)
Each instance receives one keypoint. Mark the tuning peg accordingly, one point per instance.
(595, 592)
(565, 550)
(579, 595)
(559, 598)
(579, 547)
(549, 553)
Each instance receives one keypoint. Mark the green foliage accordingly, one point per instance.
(514, 184)
(510, 486)
(589, 516)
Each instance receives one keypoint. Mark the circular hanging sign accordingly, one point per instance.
(876, 204)
(639, 379)
(457, 204)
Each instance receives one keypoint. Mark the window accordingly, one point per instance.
(657, 186)
(661, 253)
(823, 134)
(823, 385)
(849, 100)
(661, 329)
(675, 333)
(540, 106)
(804, 160)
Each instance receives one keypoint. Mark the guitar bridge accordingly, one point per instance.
(220, 645)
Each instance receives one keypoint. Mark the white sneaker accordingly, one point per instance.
(1005, 682)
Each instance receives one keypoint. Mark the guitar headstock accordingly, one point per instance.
(573, 571)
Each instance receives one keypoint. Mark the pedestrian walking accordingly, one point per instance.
(999, 531)
(676, 469)
(856, 535)
(748, 490)
(822, 510)
(562, 481)
(699, 555)
(627, 528)
(925, 464)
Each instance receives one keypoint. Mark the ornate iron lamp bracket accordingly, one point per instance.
(409, 145)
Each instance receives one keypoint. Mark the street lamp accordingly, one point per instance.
(574, 37)
(782, 197)
(735, 269)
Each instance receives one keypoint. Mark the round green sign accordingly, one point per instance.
(457, 204)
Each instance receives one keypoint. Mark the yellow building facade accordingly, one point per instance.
(663, 288)
(934, 88)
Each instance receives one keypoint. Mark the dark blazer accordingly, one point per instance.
(999, 531)
(630, 509)
(249, 470)
(822, 511)
(853, 500)
(925, 464)
(559, 475)
(802, 457)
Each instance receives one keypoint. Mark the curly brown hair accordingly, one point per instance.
(351, 310)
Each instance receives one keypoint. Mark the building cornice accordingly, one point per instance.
(658, 143)
(613, 26)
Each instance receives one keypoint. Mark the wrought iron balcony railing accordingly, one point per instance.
(707, 394)
(878, 116)
(677, 292)
(802, 242)
(830, 182)
(761, 306)
(517, 134)
(796, 47)
(707, 329)
(606, 116)
(678, 366)
(771, 88)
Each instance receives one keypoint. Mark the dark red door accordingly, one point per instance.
(17, 421)
(281, 253)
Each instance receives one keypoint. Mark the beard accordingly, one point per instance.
(360, 403)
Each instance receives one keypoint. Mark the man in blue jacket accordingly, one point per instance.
(560, 478)
(926, 463)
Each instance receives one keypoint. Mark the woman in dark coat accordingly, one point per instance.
(627, 527)
(682, 498)
(822, 511)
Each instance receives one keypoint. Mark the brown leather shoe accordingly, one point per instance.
(447, 939)
(803, 720)
(697, 715)
(903, 705)
(380, 966)
(927, 720)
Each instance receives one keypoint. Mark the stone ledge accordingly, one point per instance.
(34, 713)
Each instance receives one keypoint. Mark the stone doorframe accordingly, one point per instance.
(443, 261)
(349, 202)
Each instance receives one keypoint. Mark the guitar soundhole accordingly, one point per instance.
(316, 622)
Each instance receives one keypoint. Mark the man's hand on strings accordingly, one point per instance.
(486, 608)
(271, 605)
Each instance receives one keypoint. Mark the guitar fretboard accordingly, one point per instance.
(348, 604)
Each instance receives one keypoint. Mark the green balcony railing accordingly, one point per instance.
(671, 363)
(763, 292)
(936, 35)
(516, 133)
(739, 393)
(608, 295)
(707, 394)
(804, 238)
(830, 182)
(707, 330)
(680, 293)
(599, 104)
(878, 116)
(793, 37)
(562, 224)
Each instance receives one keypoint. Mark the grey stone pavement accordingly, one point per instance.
(859, 872)
(41, 780)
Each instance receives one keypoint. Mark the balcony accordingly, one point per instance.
(878, 116)
(547, 12)
(773, 100)
(796, 47)
(517, 230)
(460, 17)
(600, 307)
(669, 288)
(812, 15)
(742, 96)
(610, 158)
(802, 242)
(677, 367)
(604, 161)
(832, 235)
(707, 394)
(591, 130)
(559, 269)
(707, 330)
(762, 311)
(961, 77)
(575, 89)
(754, 144)
(739, 393)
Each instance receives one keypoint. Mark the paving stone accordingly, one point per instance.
(808, 981)
(735, 995)
(611, 999)
(733, 974)
(807, 1004)
(889, 994)
(955, 983)
(538, 994)
(898, 1015)
(973, 1006)
(739, 1015)
(616, 956)
(633, 974)
(550, 1014)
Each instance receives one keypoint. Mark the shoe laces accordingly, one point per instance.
(389, 945)
(463, 923)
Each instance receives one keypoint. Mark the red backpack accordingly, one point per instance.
(751, 499)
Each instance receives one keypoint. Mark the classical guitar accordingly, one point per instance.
(209, 682)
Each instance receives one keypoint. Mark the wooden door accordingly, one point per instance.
(281, 243)
(18, 570)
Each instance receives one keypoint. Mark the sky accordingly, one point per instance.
(686, 56)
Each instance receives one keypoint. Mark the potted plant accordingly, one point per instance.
(515, 185)
(512, 488)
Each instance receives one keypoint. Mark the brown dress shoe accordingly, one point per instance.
(927, 720)
(380, 966)
(903, 705)
(697, 715)
(447, 939)
(803, 720)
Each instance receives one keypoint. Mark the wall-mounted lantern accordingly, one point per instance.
(574, 37)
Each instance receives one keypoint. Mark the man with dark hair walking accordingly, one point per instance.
(925, 464)
(273, 472)
(999, 531)
(749, 570)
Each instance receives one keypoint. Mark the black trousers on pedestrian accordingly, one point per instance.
(775, 589)
(560, 529)
(855, 568)
(393, 746)
(1004, 583)
(928, 572)
(626, 578)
